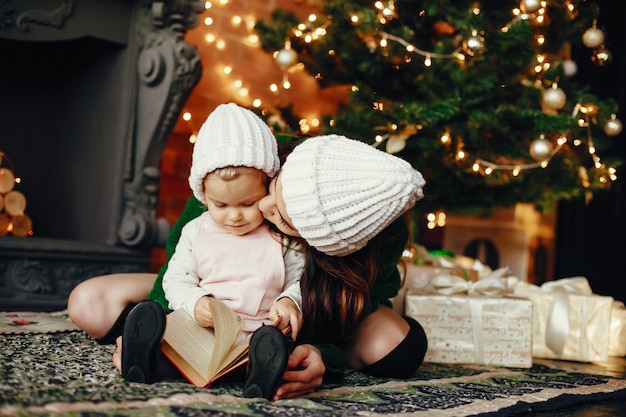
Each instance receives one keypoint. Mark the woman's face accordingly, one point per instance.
(273, 208)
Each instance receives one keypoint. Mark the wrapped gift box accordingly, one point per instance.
(474, 329)
(617, 340)
(415, 277)
(418, 277)
(569, 321)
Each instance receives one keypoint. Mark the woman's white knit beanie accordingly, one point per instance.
(232, 136)
(340, 192)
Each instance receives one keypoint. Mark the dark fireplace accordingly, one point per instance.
(90, 91)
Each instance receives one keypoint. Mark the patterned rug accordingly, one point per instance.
(69, 374)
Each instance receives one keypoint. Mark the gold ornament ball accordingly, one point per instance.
(286, 57)
(530, 6)
(593, 37)
(613, 126)
(553, 98)
(540, 149)
(601, 57)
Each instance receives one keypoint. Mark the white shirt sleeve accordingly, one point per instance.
(294, 267)
(181, 282)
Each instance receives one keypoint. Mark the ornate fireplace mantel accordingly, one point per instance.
(90, 92)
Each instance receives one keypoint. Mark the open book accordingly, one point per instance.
(201, 354)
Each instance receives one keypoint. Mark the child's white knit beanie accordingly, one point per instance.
(232, 136)
(341, 192)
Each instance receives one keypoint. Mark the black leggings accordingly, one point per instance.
(403, 361)
(118, 327)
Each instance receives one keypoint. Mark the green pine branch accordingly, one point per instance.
(490, 104)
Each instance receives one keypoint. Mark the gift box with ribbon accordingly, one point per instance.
(569, 321)
(473, 322)
(617, 339)
(417, 276)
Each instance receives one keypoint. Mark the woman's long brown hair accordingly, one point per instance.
(336, 292)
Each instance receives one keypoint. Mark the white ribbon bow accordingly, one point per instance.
(557, 326)
(495, 284)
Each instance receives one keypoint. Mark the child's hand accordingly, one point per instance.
(202, 312)
(285, 313)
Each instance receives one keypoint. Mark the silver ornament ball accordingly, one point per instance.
(474, 45)
(540, 149)
(593, 37)
(613, 126)
(286, 57)
(569, 68)
(553, 98)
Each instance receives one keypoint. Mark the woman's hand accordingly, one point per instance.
(285, 313)
(202, 312)
(304, 374)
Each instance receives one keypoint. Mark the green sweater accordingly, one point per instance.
(386, 287)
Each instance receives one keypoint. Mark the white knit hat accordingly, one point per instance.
(232, 136)
(340, 192)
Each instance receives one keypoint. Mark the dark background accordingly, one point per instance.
(591, 238)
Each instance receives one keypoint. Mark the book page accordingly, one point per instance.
(192, 342)
(228, 326)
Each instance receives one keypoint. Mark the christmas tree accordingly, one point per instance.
(481, 97)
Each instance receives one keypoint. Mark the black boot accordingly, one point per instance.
(269, 352)
(141, 341)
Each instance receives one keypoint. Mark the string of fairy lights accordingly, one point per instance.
(553, 98)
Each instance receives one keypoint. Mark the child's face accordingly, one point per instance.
(233, 204)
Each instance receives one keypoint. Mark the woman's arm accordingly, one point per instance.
(294, 267)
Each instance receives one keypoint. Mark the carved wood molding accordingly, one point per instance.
(168, 68)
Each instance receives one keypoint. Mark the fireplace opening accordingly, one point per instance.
(62, 134)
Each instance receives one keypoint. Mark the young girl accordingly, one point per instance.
(228, 252)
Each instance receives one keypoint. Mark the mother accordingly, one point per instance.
(344, 200)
